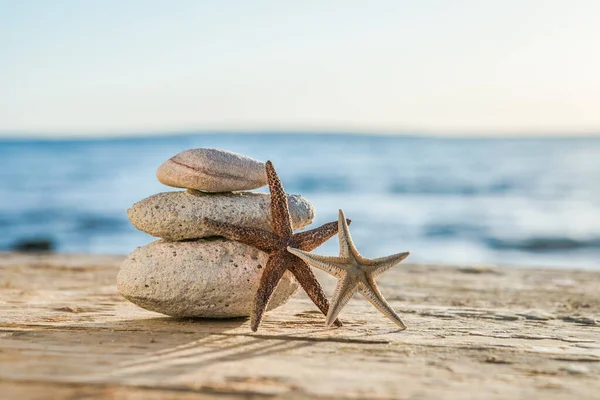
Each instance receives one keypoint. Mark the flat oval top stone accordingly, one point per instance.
(178, 215)
(215, 278)
(212, 170)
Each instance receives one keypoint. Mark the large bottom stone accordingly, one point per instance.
(211, 278)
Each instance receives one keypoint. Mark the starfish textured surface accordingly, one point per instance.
(354, 272)
(275, 244)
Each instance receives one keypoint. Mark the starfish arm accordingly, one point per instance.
(310, 240)
(274, 270)
(378, 266)
(311, 285)
(372, 293)
(344, 291)
(258, 238)
(347, 246)
(331, 265)
(280, 214)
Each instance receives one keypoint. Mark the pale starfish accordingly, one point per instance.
(354, 272)
(275, 244)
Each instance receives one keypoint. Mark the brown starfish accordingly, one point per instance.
(275, 244)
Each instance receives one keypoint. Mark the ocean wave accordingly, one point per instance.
(543, 244)
(59, 225)
(449, 188)
(452, 230)
(319, 184)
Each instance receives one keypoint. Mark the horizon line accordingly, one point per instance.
(17, 135)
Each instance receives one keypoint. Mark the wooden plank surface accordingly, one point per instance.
(65, 332)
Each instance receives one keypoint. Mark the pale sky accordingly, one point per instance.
(73, 67)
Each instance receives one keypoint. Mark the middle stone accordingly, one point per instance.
(178, 215)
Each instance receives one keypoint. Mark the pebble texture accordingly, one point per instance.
(212, 170)
(214, 278)
(178, 215)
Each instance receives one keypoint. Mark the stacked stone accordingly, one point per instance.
(190, 272)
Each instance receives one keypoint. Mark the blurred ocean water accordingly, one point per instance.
(533, 202)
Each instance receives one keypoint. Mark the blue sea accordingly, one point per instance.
(524, 202)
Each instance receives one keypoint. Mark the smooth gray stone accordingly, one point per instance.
(212, 170)
(215, 278)
(178, 215)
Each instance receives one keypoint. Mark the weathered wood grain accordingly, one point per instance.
(473, 333)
